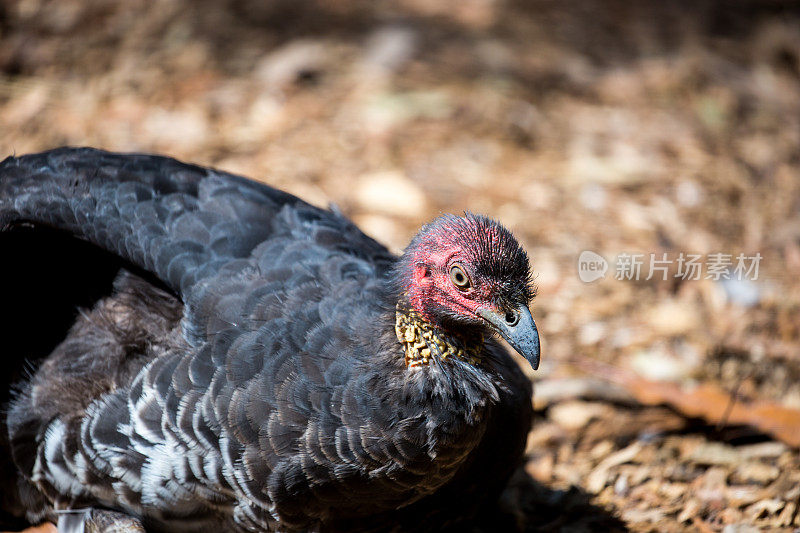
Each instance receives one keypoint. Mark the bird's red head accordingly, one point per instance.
(470, 272)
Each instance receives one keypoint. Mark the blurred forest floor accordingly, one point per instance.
(610, 126)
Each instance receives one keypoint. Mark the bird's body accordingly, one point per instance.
(257, 364)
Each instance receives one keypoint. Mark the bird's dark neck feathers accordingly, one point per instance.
(450, 388)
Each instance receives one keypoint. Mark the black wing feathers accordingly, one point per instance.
(167, 217)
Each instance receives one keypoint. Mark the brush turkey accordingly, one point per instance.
(189, 350)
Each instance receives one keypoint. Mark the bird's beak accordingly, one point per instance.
(518, 328)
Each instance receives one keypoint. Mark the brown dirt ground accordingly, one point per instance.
(610, 126)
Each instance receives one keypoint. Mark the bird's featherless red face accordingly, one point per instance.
(442, 284)
(469, 271)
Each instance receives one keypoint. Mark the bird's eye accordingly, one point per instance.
(512, 319)
(459, 277)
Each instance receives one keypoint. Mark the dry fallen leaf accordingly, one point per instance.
(706, 401)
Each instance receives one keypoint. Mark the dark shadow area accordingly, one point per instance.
(90, 38)
(527, 505)
(47, 278)
(735, 435)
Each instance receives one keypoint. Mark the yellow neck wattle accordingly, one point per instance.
(422, 341)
